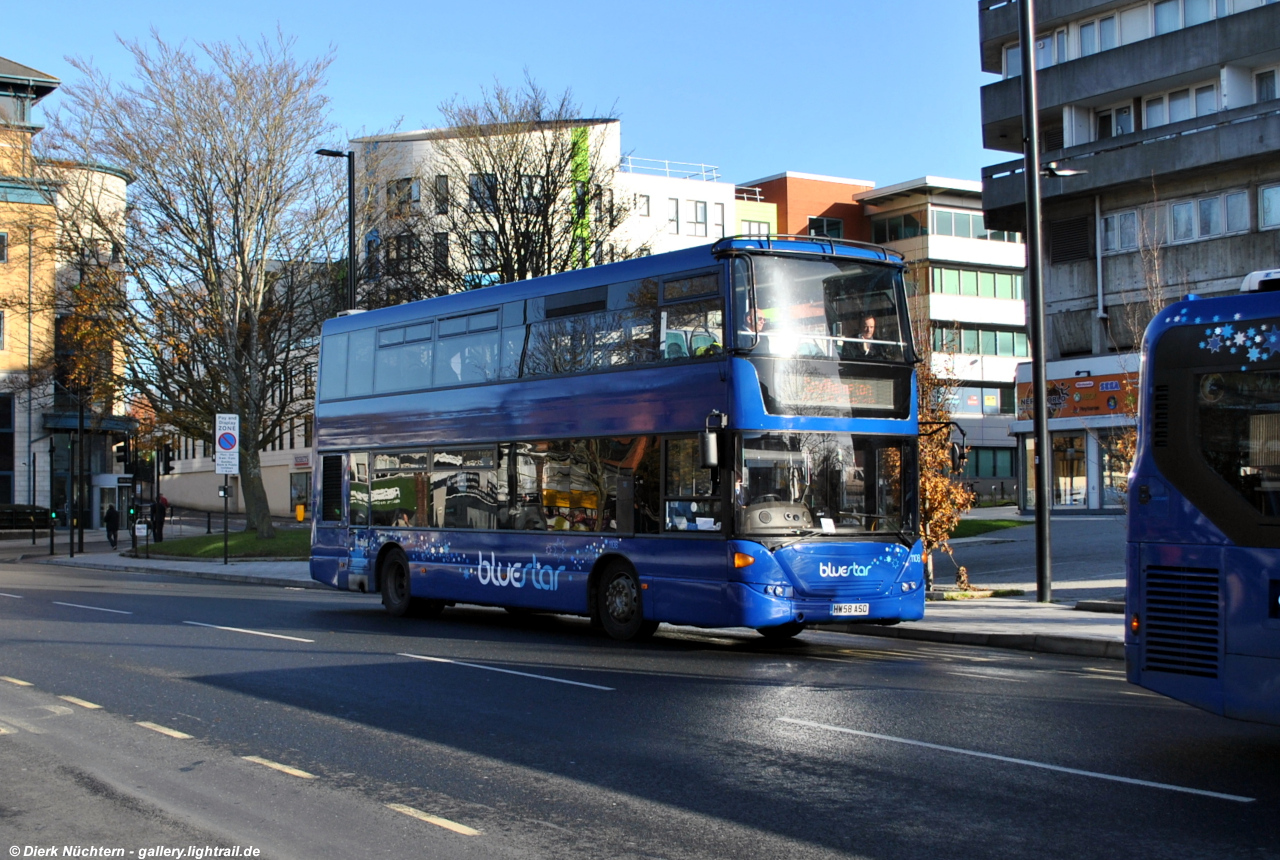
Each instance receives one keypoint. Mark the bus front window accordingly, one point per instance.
(836, 309)
(825, 483)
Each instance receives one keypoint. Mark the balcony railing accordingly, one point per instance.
(671, 169)
(1077, 156)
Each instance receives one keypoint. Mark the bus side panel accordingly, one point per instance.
(685, 581)
(621, 403)
(1252, 688)
(534, 570)
(328, 555)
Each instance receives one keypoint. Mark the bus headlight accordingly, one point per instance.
(909, 586)
(777, 590)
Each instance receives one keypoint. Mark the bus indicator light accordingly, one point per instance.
(741, 560)
(1134, 624)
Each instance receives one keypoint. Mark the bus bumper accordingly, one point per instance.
(762, 610)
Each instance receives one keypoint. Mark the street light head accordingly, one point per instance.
(332, 153)
(1052, 169)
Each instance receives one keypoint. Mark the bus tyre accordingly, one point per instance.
(394, 577)
(619, 605)
(781, 632)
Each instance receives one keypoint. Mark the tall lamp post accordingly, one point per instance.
(1035, 291)
(350, 156)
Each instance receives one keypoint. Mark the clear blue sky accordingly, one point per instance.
(886, 91)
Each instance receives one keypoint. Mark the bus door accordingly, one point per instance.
(340, 529)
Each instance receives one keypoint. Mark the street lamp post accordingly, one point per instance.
(350, 156)
(1035, 292)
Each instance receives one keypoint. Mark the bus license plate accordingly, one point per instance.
(851, 609)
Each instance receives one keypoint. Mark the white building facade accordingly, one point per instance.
(968, 286)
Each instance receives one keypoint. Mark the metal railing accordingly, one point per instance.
(749, 194)
(671, 169)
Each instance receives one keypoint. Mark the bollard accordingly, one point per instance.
(208, 522)
(300, 511)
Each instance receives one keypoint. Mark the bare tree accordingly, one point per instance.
(515, 185)
(217, 297)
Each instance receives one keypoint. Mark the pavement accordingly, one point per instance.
(1082, 627)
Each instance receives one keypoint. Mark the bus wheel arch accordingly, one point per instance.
(617, 601)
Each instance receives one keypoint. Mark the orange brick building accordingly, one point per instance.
(824, 205)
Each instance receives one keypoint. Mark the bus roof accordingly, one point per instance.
(672, 262)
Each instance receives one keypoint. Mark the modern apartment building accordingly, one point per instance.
(1169, 108)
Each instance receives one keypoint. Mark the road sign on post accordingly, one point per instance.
(226, 444)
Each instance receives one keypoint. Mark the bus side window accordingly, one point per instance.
(358, 490)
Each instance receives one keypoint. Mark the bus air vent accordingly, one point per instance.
(1160, 417)
(1182, 628)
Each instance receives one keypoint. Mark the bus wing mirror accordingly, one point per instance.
(709, 440)
(710, 449)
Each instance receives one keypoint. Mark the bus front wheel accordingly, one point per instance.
(781, 632)
(620, 606)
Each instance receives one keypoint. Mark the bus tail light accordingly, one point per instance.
(1134, 624)
(741, 559)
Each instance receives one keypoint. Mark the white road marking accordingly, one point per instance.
(434, 819)
(81, 702)
(250, 632)
(14, 596)
(283, 768)
(507, 671)
(16, 681)
(94, 608)
(987, 677)
(1076, 771)
(165, 730)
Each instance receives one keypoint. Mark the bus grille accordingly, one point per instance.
(1160, 417)
(1182, 627)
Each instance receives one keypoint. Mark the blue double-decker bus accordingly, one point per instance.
(1203, 564)
(724, 436)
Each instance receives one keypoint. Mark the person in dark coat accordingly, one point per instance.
(111, 519)
(158, 512)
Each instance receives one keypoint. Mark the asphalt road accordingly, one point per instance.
(496, 735)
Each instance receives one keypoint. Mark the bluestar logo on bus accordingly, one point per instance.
(833, 570)
(490, 571)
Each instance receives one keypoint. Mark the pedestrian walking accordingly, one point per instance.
(111, 519)
(158, 512)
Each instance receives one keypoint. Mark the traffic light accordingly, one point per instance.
(166, 459)
(122, 454)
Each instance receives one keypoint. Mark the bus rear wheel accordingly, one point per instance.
(781, 632)
(620, 606)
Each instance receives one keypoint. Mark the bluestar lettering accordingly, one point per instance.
(833, 570)
(490, 571)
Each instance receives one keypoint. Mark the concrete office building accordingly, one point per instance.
(1170, 108)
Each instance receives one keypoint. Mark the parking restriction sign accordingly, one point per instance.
(226, 444)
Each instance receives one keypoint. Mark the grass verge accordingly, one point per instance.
(288, 543)
(973, 528)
